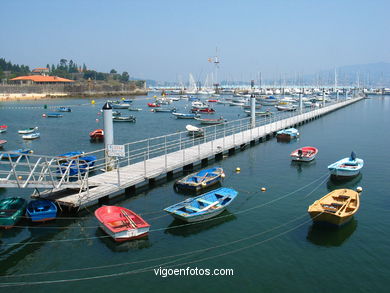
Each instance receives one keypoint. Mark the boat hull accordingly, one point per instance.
(329, 219)
(127, 234)
(201, 217)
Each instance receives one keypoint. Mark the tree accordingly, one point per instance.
(48, 66)
(84, 67)
(125, 77)
(113, 71)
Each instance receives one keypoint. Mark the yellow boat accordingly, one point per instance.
(337, 207)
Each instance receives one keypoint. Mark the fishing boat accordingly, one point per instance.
(97, 134)
(54, 115)
(28, 130)
(164, 110)
(41, 210)
(2, 142)
(31, 136)
(15, 153)
(124, 118)
(336, 208)
(202, 179)
(304, 154)
(121, 106)
(64, 109)
(286, 107)
(203, 110)
(185, 116)
(287, 134)
(194, 131)
(11, 211)
(121, 224)
(3, 128)
(153, 105)
(80, 165)
(347, 167)
(210, 121)
(204, 206)
(258, 113)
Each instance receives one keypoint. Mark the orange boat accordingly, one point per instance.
(97, 134)
(304, 154)
(121, 224)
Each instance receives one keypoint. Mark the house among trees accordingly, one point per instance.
(40, 79)
(41, 71)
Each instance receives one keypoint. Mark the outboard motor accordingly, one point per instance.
(300, 152)
(353, 156)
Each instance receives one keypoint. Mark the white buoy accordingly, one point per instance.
(238, 169)
(359, 189)
(263, 189)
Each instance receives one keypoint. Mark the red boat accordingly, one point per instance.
(3, 128)
(2, 142)
(205, 110)
(304, 154)
(121, 224)
(97, 134)
(153, 105)
(212, 101)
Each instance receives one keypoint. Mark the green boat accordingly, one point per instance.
(11, 210)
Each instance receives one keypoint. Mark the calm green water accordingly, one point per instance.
(266, 237)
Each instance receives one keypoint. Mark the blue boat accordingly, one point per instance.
(71, 155)
(82, 164)
(204, 206)
(185, 115)
(287, 134)
(15, 153)
(64, 109)
(41, 210)
(347, 167)
(202, 179)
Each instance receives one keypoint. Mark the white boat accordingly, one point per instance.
(31, 136)
(347, 167)
(287, 107)
(27, 130)
(199, 105)
(194, 131)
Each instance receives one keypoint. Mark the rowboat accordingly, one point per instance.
(11, 210)
(153, 105)
(3, 128)
(80, 165)
(185, 116)
(336, 208)
(287, 134)
(2, 142)
(204, 206)
(124, 118)
(203, 110)
(166, 110)
(194, 131)
(71, 155)
(211, 121)
(31, 136)
(347, 167)
(120, 223)
(121, 106)
(54, 115)
(286, 107)
(97, 134)
(258, 113)
(28, 130)
(14, 154)
(41, 210)
(202, 179)
(64, 109)
(304, 154)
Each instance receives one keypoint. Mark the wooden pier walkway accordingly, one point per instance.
(109, 183)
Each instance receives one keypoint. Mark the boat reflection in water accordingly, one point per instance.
(187, 229)
(302, 165)
(125, 246)
(333, 184)
(328, 235)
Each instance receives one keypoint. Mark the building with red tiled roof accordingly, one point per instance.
(41, 70)
(40, 79)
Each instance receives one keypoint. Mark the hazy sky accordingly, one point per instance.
(167, 39)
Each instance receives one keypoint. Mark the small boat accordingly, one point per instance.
(202, 179)
(287, 134)
(31, 136)
(41, 210)
(304, 154)
(3, 128)
(211, 121)
(199, 105)
(237, 104)
(124, 118)
(286, 107)
(71, 155)
(11, 210)
(347, 167)
(15, 153)
(165, 110)
(336, 208)
(212, 100)
(268, 101)
(194, 131)
(2, 142)
(249, 106)
(134, 109)
(121, 106)
(127, 101)
(64, 109)
(185, 116)
(203, 110)
(153, 105)
(258, 113)
(81, 165)
(204, 206)
(28, 130)
(97, 134)
(116, 113)
(120, 223)
(54, 115)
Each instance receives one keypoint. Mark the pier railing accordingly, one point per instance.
(56, 173)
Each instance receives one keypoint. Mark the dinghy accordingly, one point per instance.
(2, 142)
(347, 167)
(194, 131)
(97, 134)
(336, 208)
(124, 118)
(120, 223)
(3, 128)
(41, 210)
(28, 130)
(15, 153)
(304, 154)
(11, 211)
(202, 179)
(287, 134)
(64, 109)
(185, 116)
(211, 121)
(204, 206)
(31, 136)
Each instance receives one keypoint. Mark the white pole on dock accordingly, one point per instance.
(300, 101)
(108, 134)
(253, 109)
(323, 97)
